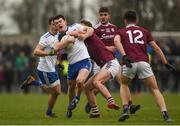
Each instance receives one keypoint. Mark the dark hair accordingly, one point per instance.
(59, 16)
(103, 9)
(50, 20)
(87, 23)
(130, 16)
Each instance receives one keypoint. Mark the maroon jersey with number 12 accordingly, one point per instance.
(134, 40)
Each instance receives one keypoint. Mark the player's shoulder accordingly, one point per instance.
(46, 36)
(97, 25)
(121, 29)
(112, 25)
(145, 30)
(74, 25)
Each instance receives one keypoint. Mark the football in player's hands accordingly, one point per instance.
(70, 40)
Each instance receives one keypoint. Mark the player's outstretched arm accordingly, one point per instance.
(39, 51)
(161, 55)
(87, 32)
(64, 42)
(158, 52)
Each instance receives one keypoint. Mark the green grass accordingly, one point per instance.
(29, 109)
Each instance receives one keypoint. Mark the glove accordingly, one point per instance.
(127, 61)
(52, 52)
(60, 66)
(170, 67)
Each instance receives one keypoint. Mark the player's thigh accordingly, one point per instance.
(102, 76)
(113, 67)
(89, 84)
(85, 67)
(82, 75)
(151, 82)
(57, 89)
(118, 77)
(125, 80)
(144, 70)
(129, 72)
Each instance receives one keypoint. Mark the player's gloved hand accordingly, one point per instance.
(60, 66)
(127, 61)
(52, 52)
(170, 67)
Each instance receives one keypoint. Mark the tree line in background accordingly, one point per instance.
(158, 15)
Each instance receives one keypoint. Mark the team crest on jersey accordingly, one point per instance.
(102, 30)
(112, 29)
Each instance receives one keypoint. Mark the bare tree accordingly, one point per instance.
(153, 14)
(32, 15)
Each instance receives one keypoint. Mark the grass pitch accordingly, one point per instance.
(20, 109)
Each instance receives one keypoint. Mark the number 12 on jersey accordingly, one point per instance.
(135, 36)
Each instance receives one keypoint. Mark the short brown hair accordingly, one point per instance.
(50, 20)
(104, 9)
(130, 15)
(59, 16)
(87, 23)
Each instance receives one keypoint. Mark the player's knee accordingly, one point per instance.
(55, 94)
(71, 87)
(58, 92)
(96, 83)
(79, 81)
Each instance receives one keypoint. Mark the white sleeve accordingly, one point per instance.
(43, 42)
(80, 27)
(75, 27)
(56, 38)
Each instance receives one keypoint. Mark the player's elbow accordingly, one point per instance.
(157, 49)
(35, 53)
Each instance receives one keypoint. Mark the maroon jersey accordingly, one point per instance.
(106, 33)
(97, 50)
(134, 40)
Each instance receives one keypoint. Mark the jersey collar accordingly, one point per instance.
(130, 25)
(104, 24)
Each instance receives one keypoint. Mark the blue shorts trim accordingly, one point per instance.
(47, 77)
(73, 69)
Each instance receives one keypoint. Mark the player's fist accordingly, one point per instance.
(170, 67)
(127, 61)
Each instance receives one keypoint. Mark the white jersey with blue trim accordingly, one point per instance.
(79, 51)
(47, 63)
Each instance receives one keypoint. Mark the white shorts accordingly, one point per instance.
(113, 67)
(95, 68)
(57, 82)
(142, 69)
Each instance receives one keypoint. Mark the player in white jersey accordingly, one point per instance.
(79, 63)
(49, 80)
